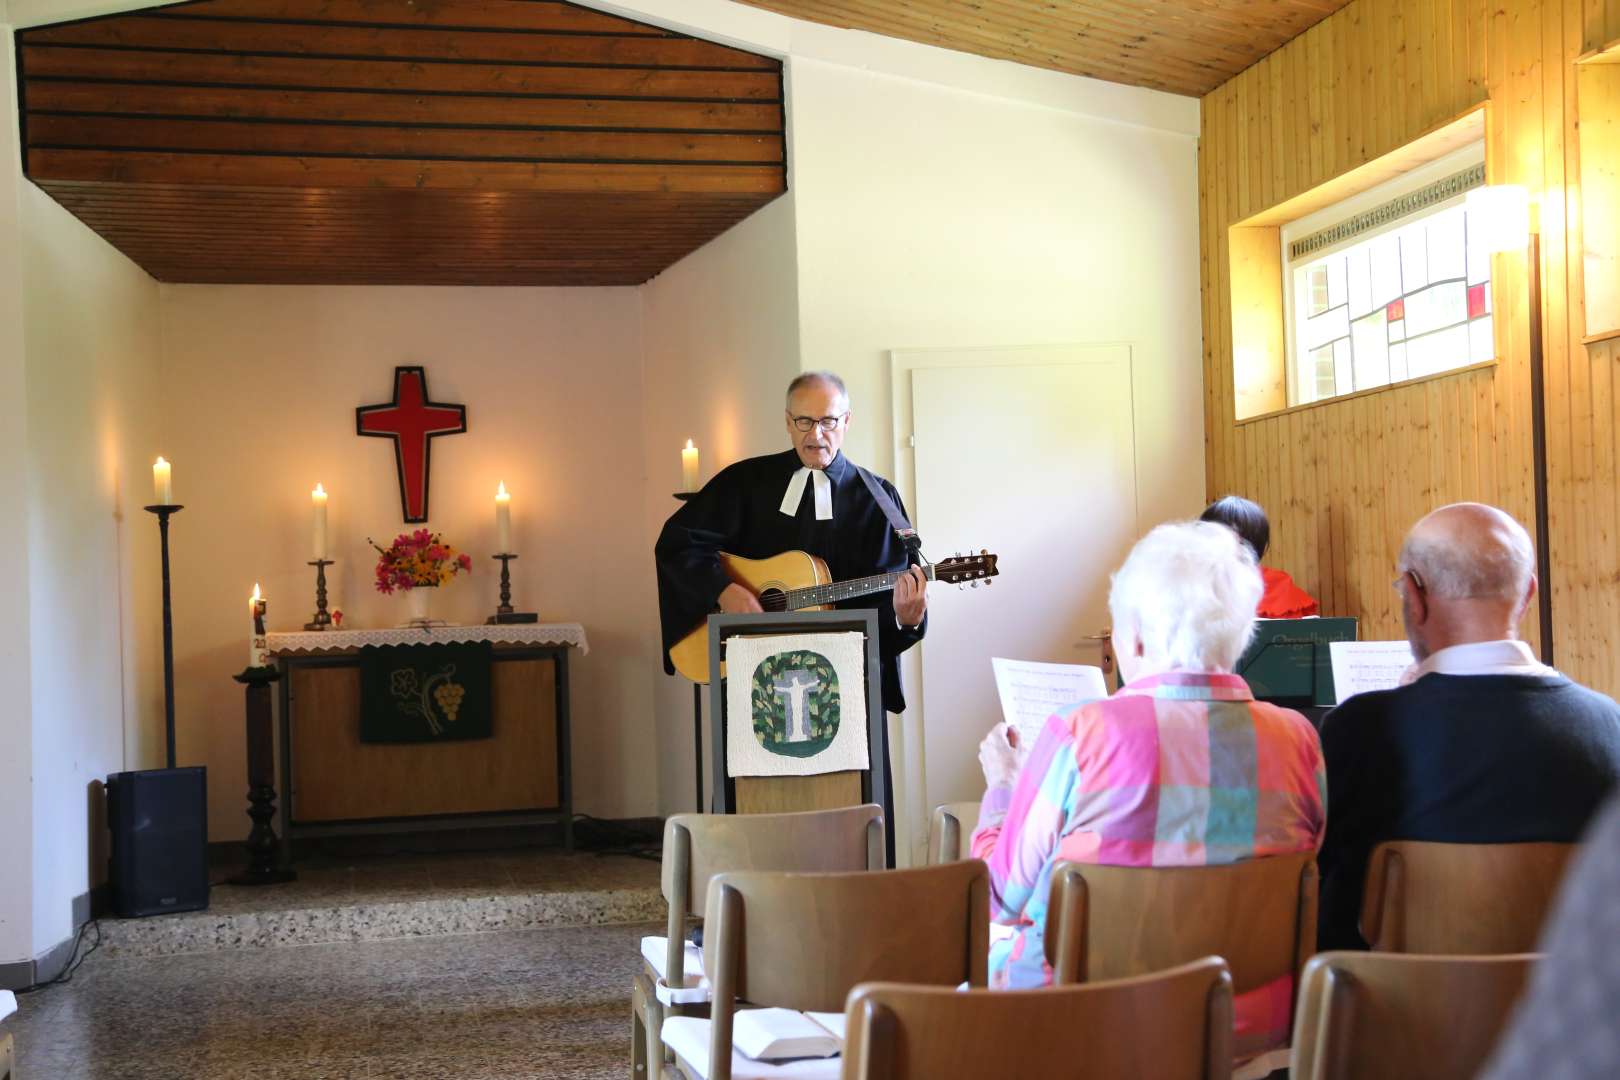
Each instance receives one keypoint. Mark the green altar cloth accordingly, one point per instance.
(425, 693)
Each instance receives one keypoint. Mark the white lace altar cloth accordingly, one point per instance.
(317, 641)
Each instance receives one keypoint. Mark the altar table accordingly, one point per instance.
(334, 784)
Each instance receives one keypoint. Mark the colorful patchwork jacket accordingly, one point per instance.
(1177, 769)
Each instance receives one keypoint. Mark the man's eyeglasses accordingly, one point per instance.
(825, 423)
(1413, 574)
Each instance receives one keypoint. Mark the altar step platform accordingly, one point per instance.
(371, 897)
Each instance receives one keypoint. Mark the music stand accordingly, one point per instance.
(1288, 663)
(873, 786)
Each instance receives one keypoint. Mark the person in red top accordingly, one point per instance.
(1282, 599)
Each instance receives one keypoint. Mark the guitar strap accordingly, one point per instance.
(897, 520)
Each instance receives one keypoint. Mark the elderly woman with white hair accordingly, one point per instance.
(1181, 767)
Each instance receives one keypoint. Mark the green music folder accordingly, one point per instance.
(1288, 660)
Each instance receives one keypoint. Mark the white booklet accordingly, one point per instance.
(1360, 666)
(1030, 692)
(775, 1034)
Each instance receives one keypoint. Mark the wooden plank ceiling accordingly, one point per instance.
(471, 142)
(1182, 46)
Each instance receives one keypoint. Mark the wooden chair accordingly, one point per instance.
(1173, 1025)
(8, 1047)
(951, 830)
(1459, 899)
(1389, 1017)
(803, 941)
(1115, 922)
(699, 846)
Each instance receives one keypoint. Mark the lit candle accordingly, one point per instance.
(689, 467)
(162, 484)
(503, 521)
(318, 498)
(256, 642)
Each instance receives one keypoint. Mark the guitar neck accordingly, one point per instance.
(817, 595)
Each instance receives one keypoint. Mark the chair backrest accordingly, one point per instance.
(1113, 922)
(699, 846)
(1374, 1016)
(1457, 899)
(951, 831)
(802, 941)
(1171, 1025)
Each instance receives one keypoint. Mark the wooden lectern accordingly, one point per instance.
(780, 794)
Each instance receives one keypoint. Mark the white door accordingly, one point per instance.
(1029, 453)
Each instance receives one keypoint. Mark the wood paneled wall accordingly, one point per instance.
(478, 142)
(1344, 480)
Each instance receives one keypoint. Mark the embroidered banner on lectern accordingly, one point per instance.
(795, 704)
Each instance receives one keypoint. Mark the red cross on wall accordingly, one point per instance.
(412, 421)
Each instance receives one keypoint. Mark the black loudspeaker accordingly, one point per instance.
(159, 823)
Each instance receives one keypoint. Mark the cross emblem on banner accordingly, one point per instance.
(412, 421)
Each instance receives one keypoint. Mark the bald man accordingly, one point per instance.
(1483, 743)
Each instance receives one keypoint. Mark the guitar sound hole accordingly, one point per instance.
(773, 600)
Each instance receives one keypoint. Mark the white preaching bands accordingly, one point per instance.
(795, 494)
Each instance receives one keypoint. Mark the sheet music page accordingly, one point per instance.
(1360, 666)
(1030, 692)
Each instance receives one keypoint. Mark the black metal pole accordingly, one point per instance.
(697, 707)
(1538, 449)
(164, 512)
(697, 740)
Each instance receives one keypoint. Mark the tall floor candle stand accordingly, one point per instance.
(697, 714)
(164, 512)
(264, 850)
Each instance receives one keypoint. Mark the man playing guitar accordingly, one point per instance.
(811, 498)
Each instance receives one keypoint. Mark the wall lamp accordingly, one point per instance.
(1499, 216)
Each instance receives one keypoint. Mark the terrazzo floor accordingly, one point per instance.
(506, 1005)
(375, 898)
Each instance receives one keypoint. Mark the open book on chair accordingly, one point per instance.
(774, 1034)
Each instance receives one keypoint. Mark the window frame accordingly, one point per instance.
(1461, 159)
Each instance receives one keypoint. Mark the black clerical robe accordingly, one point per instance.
(739, 511)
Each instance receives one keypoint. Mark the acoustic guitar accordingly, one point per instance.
(799, 581)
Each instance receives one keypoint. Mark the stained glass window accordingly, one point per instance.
(1407, 302)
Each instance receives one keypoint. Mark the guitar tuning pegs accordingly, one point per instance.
(975, 585)
(989, 582)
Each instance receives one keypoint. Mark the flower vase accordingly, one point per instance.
(419, 603)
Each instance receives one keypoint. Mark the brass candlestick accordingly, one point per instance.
(322, 619)
(504, 613)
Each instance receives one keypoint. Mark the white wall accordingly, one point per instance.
(941, 199)
(722, 341)
(935, 217)
(931, 216)
(261, 386)
(90, 339)
(16, 713)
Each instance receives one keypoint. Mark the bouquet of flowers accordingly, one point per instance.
(420, 559)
